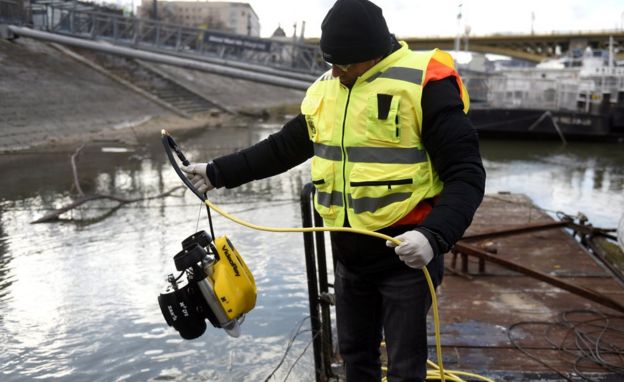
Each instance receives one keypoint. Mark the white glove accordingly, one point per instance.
(414, 250)
(196, 173)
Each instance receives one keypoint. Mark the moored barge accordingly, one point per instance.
(574, 98)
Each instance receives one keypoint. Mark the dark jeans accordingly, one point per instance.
(395, 301)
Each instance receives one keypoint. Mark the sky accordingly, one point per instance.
(413, 18)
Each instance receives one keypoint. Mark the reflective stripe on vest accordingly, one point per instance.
(329, 199)
(386, 155)
(372, 154)
(404, 74)
(328, 152)
(373, 204)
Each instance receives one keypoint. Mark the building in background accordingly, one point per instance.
(239, 18)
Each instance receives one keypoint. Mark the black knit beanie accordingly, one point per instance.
(354, 31)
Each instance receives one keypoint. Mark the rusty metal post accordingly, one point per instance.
(464, 262)
(515, 230)
(467, 249)
(454, 260)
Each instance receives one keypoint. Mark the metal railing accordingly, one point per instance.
(12, 12)
(320, 298)
(73, 20)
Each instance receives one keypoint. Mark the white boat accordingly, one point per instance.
(574, 97)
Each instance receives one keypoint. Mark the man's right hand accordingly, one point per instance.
(196, 173)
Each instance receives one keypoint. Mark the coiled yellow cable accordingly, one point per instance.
(438, 372)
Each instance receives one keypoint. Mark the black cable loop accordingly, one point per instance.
(170, 144)
(584, 339)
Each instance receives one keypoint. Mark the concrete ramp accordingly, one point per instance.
(45, 96)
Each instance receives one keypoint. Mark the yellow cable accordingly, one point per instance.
(438, 373)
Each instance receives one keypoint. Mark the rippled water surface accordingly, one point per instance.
(78, 297)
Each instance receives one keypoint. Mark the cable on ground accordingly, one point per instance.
(588, 337)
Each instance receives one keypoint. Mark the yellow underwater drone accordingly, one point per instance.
(218, 287)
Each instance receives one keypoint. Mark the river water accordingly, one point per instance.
(78, 297)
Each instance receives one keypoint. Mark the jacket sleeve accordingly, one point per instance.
(453, 146)
(274, 155)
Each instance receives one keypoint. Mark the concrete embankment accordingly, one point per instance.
(49, 97)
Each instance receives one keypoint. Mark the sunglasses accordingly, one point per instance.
(342, 67)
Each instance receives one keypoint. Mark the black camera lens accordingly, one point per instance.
(180, 311)
(202, 238)
(189, 257)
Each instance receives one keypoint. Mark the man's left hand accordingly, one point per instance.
(196, 173)
(414, 250)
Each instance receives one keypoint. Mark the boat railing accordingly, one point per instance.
(12, 12)
(568, 90)
(523, 92)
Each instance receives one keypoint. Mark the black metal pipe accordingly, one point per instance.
(161, 58)
(313, 293)
(321, 259)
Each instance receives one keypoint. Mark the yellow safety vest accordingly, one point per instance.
(369, 161)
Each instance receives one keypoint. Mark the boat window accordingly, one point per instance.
(550, 95)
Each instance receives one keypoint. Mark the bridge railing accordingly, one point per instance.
(12, 12)
(181, 40)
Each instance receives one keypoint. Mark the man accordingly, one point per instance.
(392, 151)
